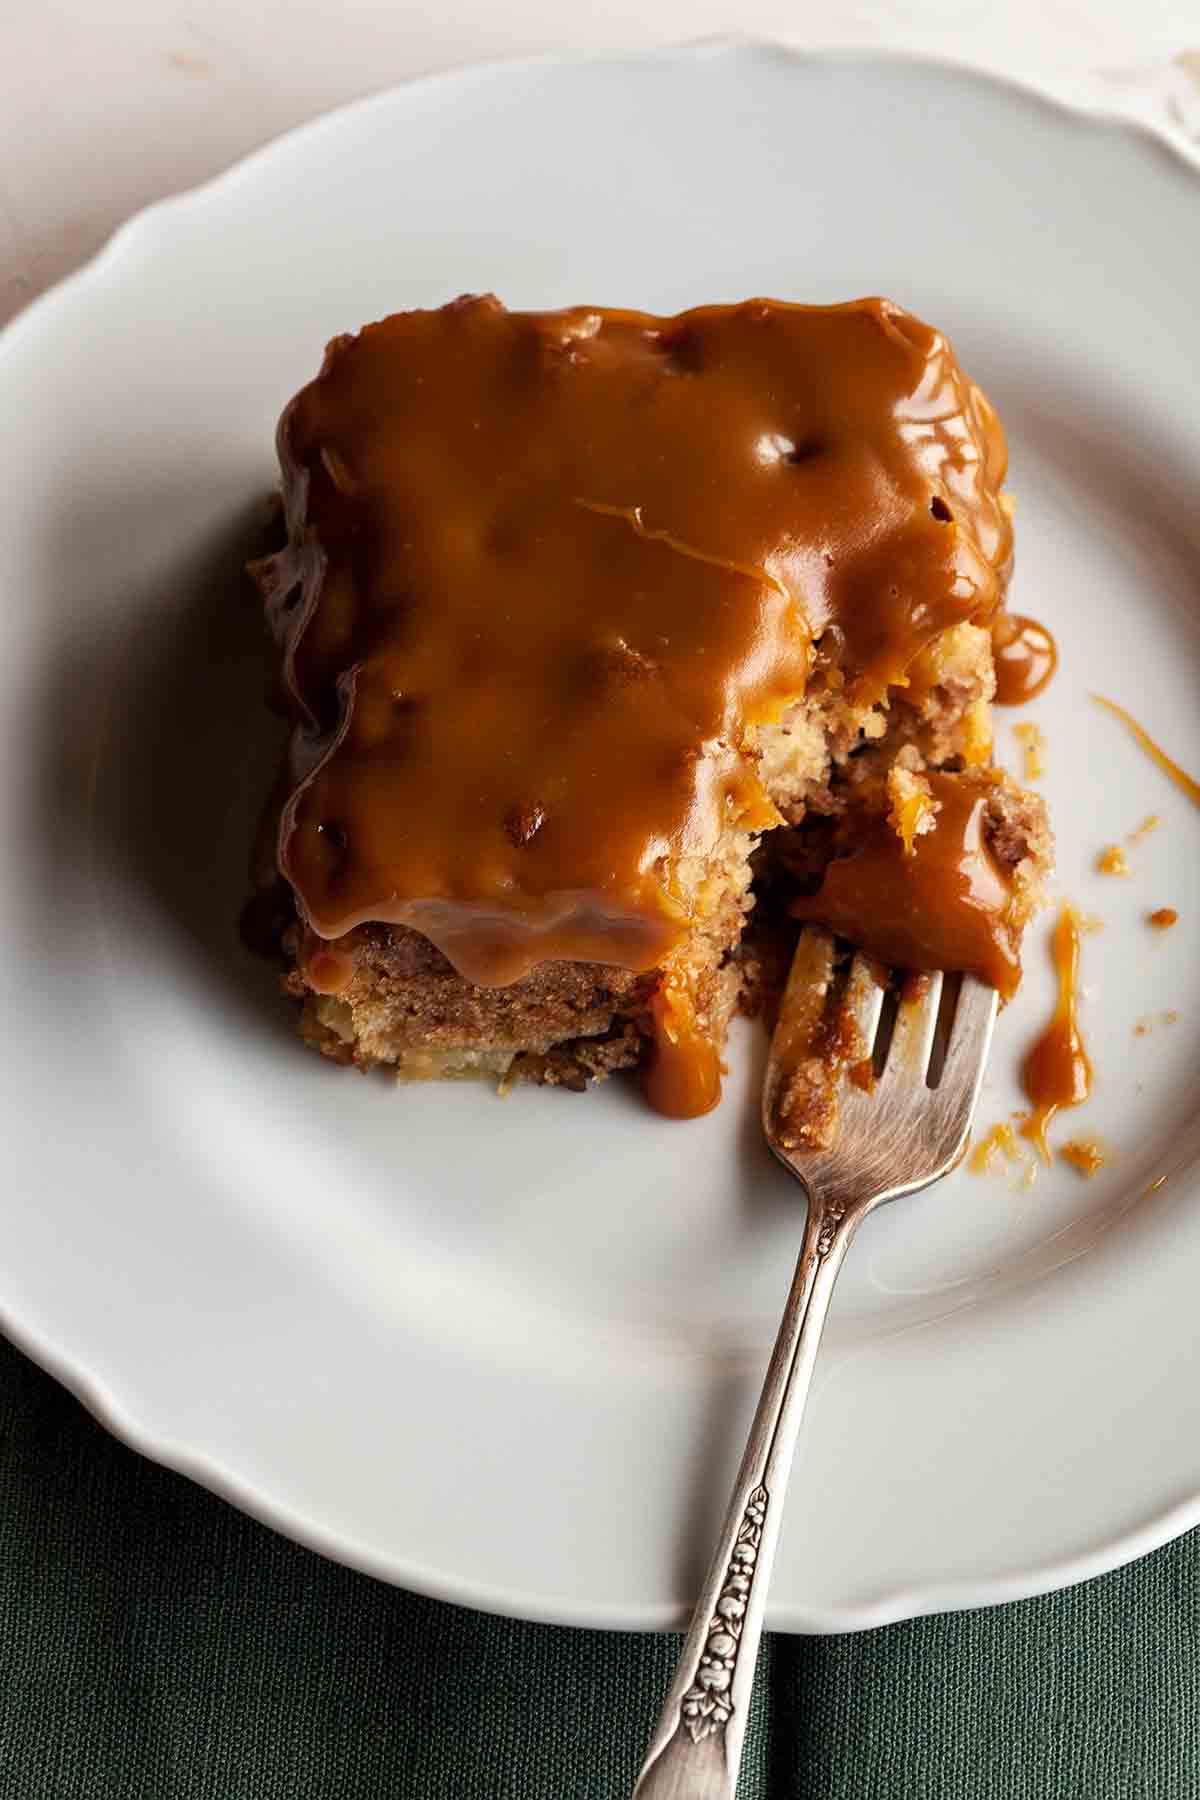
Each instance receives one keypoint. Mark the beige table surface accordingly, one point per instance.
(106, 107)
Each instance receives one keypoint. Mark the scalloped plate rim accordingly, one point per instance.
(119, 1414)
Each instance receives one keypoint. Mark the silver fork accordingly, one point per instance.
(891, 1139)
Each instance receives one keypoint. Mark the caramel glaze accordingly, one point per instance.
(944, 905)
(548, 573)
(1025, 656)
(1057, 1071)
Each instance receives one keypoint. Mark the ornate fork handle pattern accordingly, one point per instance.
(908, 1131)
(707, 1706)
(696, 1748)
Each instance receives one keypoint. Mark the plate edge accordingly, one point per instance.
(889, 1606)
(1068, 99)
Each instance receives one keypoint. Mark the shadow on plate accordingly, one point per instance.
(156, 747)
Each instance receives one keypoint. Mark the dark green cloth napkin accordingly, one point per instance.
(156, 1645)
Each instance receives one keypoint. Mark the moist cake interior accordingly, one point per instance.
(593, 626)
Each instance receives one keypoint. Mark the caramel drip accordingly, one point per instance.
(682, 1078)
(327, 969)
(1025, 656)
(1057, 1072)
(1155, 752)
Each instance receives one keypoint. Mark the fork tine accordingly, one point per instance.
(863, 1000)
(912, 1038)
(803, 999)
(800, 1093)
(801, 1009)
(856, 1143)
(970, 1034)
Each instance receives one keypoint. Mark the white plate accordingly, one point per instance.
(506, 1352)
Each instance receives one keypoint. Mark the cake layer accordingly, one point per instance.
(400, 1003)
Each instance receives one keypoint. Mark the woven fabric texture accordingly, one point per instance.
(156, 1645)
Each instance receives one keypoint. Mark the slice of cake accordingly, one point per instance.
(578, 614)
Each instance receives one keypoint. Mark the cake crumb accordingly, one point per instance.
(1164, 918)
(1146, 1024)
(977, 735)
(999, 1153)
(1113, 861)
(1034, 742)
(1091, 924)
(914, 809)
(1001, 1141)
(1085, 1154)
(1150, 823)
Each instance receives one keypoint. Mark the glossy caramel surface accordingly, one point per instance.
(682, 1075)
(945, 904)
(550, 572)
(1057, 1071)
(1025, 655)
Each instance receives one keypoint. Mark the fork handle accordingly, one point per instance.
(696, 1750)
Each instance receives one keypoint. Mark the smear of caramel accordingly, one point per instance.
(1057, 1071)
(1181, 778)
(1025, 657)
